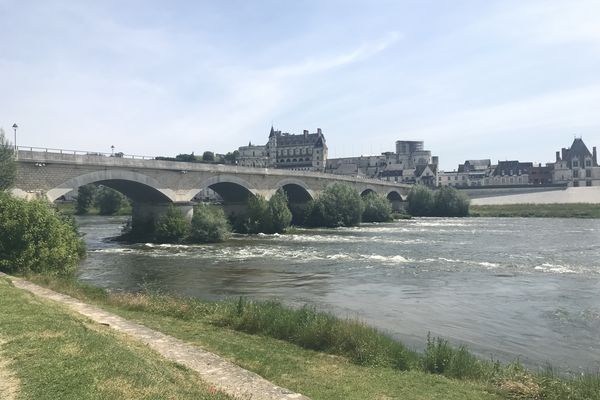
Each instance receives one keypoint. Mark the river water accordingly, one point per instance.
(508, 288)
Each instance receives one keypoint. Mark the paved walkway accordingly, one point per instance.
(214, 370)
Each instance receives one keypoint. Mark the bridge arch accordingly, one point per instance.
(296, 189)
(367, 190)
(231, 188)
(394, 195)
(136, 186)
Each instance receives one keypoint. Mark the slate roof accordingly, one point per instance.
(577, 151)
(421, 168)
(509, 168)
(474, 165)
(287, 139)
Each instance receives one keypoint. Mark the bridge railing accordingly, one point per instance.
(83, 153)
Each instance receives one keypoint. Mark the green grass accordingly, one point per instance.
(52, 353)
(575, 210)
(68, 208)
(326, 357)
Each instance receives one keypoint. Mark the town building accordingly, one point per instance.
(475, 173)
(576, 166)
(410, 163)
(304, 152)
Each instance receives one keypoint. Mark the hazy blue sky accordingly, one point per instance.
(473, 79)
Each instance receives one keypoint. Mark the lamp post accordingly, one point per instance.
(15, 126)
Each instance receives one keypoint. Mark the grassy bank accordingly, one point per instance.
(325, 357)
(576, 210)
(48, 352)
(68, 208)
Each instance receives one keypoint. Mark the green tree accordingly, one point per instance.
(208, 156)
(420, 201)
(37, 239)
(279, 212)
(172, 227)
(209, 224)
(109, 201)
(8, 166)
(86, 196)
(377, 208)
(449, 202)
(186, 157)
(338, 205)
(258, 217)
(232, 157)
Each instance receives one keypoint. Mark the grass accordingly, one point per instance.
(325, 357)
(52, 353)
(575, 210)
(68, 208)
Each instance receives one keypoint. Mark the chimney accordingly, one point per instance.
(435, 160)
(319, 131)
(305, 133)
(594, 156)
(557, 156)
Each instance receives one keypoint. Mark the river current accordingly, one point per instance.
(508, 288)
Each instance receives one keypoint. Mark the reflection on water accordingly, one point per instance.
(508, 288)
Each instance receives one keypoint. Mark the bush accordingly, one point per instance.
(377, 208)
(420, 201)
(449, 202)
(37, 239)
(86, 195)
(209, 224)
(172, 227)
(109, 201)
(338, 205)
(263, 216)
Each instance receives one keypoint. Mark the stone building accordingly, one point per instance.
(253, 156)
(576, 166)
(409, 164)
(305, 152)
(482, 173)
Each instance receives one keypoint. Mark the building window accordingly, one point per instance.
(588, 183)
(588, 173)
(575, 164)
(588, 163)
(575, 173)
(575, 183)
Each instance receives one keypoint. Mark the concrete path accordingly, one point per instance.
(222, 374)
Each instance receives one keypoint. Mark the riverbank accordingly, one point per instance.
(575, 210)
(358, 374)
(48, 352)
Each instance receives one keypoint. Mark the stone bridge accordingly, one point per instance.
(153, 185)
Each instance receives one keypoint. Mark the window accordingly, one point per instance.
(575, 173)
(588, 183)
(588, 163)
(588, 173)
(575, 164)
(576, 183)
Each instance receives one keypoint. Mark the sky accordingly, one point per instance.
(505, 80)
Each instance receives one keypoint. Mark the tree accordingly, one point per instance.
(377, 208)
(186, 157)
(208, 156)
(338, 205)
(232, 157)
(86, 195)
(109, 201)
(420, 201)
(172, 227)
(258, 218)
(8, 166)
(279, 212)
(449, 202)
(209, 224)
(37, 239)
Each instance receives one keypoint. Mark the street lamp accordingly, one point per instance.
(15, 126)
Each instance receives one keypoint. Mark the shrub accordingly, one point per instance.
(338, 205)
(209, 224)
(37, 239)
(172, 227)
(109, 201)
(86, 195)
(8, 166)
(420, 201)
(449, 202)
(377, 208)
(280, 213)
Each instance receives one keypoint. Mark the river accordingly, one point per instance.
(508, 288)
